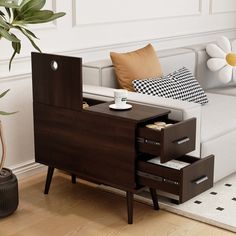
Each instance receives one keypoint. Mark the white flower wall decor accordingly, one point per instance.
(223, 59)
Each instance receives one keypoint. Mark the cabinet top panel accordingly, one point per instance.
(138, 113)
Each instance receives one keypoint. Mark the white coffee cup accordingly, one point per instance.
(120, 97)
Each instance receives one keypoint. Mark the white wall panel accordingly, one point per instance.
(107, 11)
(222, 6)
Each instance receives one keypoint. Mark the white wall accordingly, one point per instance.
(92, 29)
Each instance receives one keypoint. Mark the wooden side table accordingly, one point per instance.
(110, 147)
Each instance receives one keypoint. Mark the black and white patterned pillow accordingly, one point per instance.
(180, 84)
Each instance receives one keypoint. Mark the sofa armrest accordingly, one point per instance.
(180, 110)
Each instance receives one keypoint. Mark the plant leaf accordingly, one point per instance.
(39, 15)
(4, 93)
(16, 15)
(8, 36)
(8, 3)
(17, 48)
(7, 113)
(4, 24)
(57, 15)
(8, 12)
(30, 39)
(30, 33)
(12, 57)
(3, 112)
(53, 17)
(24, 2)
(2, 14)
(33, 5)
(19, 23)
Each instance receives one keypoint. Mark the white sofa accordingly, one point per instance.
(216, 121)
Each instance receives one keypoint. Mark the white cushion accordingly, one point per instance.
(218, 116)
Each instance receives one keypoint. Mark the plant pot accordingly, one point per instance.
(9, 197)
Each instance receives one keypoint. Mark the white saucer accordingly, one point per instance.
(126, 107)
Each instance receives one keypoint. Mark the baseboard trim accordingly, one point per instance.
(27, 169)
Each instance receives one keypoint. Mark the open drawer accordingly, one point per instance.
(187, 178)
(170, 142)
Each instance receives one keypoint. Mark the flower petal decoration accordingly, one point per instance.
(225, 74)
(215, 64)
(223, 59)
(224, 44)
(214, 51)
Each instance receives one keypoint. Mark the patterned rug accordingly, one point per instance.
(216, 206)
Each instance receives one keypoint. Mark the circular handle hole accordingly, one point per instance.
(54, 65)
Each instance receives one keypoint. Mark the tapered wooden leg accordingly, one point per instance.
(154, 198)
(130, 199)
(49, 179)
(73, 179)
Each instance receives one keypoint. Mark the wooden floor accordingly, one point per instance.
(80, 209)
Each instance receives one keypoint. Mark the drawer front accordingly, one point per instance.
(158, 182)
(186, 182)
(197, 178)
(158, 177)
(169, 143)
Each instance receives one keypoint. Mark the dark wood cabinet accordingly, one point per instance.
(106, 146)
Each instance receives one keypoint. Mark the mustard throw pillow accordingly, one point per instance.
(140, 64)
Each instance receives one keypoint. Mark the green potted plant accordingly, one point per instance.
(15, 16)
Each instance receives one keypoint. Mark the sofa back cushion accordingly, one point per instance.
(101, 73)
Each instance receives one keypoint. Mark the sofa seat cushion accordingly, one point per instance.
(218, 116)
(224, 90)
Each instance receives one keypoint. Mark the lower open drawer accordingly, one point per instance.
(186, 177)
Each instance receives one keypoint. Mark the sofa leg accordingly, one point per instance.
(49, 179)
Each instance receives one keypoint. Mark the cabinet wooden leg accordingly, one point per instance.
(49, 179)
(130, 198)
(154, 198)
(73, 179)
